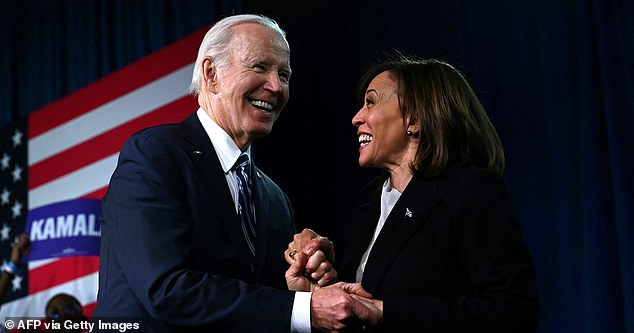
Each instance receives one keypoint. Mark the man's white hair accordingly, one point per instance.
(217, 39)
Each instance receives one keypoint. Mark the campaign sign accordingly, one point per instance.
(64, 229)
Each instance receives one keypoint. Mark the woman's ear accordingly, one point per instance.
(413, 126)
(209, 74)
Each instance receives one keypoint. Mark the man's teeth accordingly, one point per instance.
(262, 105)
(364, 139)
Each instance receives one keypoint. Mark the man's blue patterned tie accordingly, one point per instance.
(245, 201)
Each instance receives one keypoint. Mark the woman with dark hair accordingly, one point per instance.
(435, 239)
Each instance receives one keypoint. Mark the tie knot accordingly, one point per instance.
(243, 162)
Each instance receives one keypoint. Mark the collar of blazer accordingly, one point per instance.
(408, 215)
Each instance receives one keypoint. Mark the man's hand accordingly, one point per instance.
(310, 257)
(296, 280)
(335, 308)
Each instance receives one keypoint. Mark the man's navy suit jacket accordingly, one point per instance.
(172, 248)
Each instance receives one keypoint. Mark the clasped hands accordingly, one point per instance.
(334, 307)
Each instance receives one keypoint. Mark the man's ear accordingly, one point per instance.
(210, 76)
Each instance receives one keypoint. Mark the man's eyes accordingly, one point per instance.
(284, 76)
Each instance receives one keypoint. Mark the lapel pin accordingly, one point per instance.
(197, 152)
(408, 213)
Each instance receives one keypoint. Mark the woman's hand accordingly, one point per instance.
(375, 305)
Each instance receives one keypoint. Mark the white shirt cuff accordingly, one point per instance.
(300, 317)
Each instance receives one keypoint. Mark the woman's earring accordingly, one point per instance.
(409, 133)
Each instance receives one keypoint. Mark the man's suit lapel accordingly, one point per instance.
(407, 216)
(206, 159)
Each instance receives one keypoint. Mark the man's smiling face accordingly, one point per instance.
(252, 89)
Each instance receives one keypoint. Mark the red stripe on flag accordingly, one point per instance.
(122, 81)
(106, 143)
(88, 309)
(61, 271)
(98, 194)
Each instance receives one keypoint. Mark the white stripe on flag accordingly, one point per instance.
(33, 264)
(110, 115)
(75, 184)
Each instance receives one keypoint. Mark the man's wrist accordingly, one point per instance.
(300, 316)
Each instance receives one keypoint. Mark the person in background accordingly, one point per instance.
(64, 307)
(14, 265)
(192, 228)
(59, 309)
(434, 239)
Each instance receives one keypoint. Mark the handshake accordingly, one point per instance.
(334, 307)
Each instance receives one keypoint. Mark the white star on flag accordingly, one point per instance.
(5, 161)
(17, 138)
(16, 209)
(4, 197)
(4, 232)
(17, 174)
(17, 283)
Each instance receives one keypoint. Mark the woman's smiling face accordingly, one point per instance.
(381, 128)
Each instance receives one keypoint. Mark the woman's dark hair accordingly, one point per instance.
(454, 127)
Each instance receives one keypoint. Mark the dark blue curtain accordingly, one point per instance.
(557, 79)
(52, 48)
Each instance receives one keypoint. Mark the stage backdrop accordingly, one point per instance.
(555, 77)
(71, 151)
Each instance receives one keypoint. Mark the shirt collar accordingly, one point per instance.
(226, 149)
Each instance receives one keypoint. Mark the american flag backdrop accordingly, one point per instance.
(69, 150)
(13, 180)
